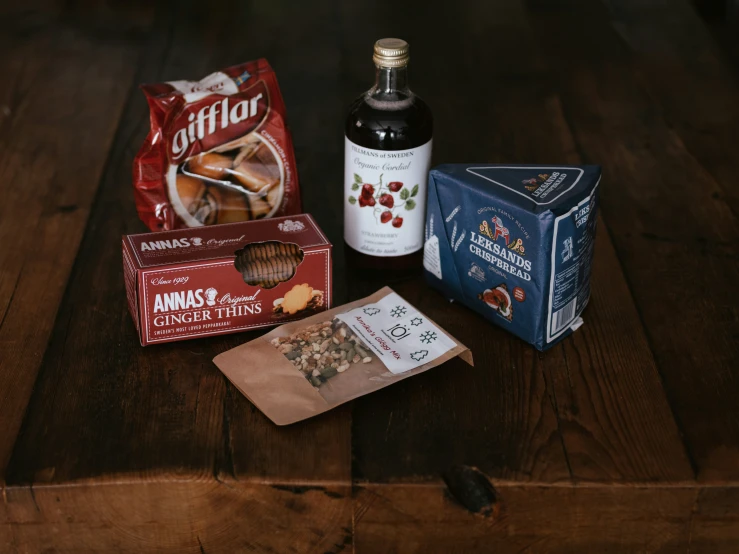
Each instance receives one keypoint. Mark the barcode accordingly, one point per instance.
(563, 317)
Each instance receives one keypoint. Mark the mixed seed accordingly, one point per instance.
(323, 350)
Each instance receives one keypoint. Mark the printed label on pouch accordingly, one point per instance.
(401, 336)
(385, 199)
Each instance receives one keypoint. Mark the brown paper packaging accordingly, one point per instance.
(275, 386)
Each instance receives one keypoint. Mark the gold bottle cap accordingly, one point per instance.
(391, 52)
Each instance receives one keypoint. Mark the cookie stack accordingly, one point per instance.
(267, 264)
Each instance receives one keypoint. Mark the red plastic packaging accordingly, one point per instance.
(219, 151)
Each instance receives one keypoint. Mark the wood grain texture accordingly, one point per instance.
(496, 415)
(500, 408)
(425, 519)
(61, 97)
(706, 134)
(683, 56)
(153, 411)
(593, 408)
(673, 226)
(714, 525)
(613, 414)
(192, 516)
(593, 446)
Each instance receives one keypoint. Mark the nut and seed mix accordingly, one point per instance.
(323, 350)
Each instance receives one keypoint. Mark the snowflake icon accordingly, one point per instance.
(371, 311)
(416, 321)
(428, 337)
(420, 355)
(398, 311)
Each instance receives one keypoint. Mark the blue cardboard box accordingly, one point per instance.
(514, 243)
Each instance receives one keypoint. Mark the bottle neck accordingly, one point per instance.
(391, 81)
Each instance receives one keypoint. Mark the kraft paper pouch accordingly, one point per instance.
(307, 367)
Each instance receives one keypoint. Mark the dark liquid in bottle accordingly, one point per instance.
(388, 117)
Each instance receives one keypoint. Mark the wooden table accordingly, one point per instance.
(624, 438)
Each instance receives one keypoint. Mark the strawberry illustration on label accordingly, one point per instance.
(389, 205)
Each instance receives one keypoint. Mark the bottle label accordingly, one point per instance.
(385, 199)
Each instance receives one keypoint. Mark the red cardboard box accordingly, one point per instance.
(219, 279)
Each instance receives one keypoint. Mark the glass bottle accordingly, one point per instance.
(387, 157)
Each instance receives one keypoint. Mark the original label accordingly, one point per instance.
(385, 198)
(572, 254)
(401, 336)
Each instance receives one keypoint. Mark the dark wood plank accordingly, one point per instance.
(166, 409)
(590, 409)
(671, 221)
(613, 413)
(186, 516)
(539, 518)
(530, 442)
(610, 412)
(309, 79)
(62, 92)
(683, 56)
(715, 521)
(722, 19)
(7, 543)
(497, 415)
(501, 406)
(131, 449)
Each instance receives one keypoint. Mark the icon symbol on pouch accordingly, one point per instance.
(398, 331)
(420, 355)
(398, 311)
(416, 321)
(371, 311)
(428, 337)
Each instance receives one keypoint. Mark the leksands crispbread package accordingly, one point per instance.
(514, 243)
(219, 151)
